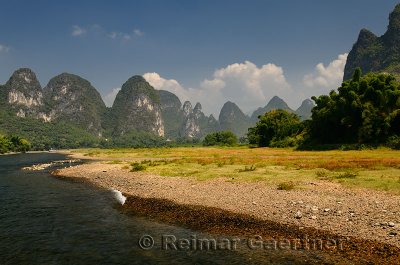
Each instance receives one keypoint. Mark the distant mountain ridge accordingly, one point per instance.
(72, 100)
(275, 103)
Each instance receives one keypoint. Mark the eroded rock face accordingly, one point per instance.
(172, 113)
(376, 54)
(190, 128)
(73, 99)
(137, 107)
(24, 94)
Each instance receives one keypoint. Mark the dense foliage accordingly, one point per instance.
(44, 136)
(13, 143)
(134, 139)
(366, 109)
(224, 138)
(277, 128)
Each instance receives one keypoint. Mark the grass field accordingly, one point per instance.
(375, 169)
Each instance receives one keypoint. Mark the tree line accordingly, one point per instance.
(13, 143)
(364, 111)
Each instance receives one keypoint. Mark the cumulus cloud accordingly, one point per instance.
(330, 76)
(110, 97)
(245, 84)
(77, 31)
(249, 85)
(4, 48)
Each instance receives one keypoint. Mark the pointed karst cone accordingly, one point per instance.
(137, 107)
(376, 54)
(75, 100)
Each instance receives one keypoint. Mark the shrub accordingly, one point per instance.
(137, 167)
(286, 186)
(224, 138)
(394, 142)
(277, 128)
(322, 174)
(247, 169)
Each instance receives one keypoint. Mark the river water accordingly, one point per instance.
(45, 220)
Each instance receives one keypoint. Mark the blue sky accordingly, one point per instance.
(207, 51)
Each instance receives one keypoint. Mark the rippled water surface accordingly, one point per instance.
(45, 220)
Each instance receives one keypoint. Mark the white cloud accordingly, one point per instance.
(78, 31)
(4, 48)
(330, 76)
(97, 29)
(245, 84)
(170, 85)
(109, 98)
(138, 32)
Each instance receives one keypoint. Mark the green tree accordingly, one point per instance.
(276, 128)
(365, 109)
(224, 138)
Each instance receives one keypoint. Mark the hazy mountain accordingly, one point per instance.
(377, 54)
(231, 118)
(137, 107)
(304, 111)
(275, 103)
(69, 101)
(171, 112)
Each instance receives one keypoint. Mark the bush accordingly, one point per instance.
(247, 169)
(394, 142)
(224, 138)
(364, 110)
(14, 144)
(286, 186)
(277, 128)
(138, 167)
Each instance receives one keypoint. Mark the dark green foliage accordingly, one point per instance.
(135, 139)
(394, 142)
(286, 186)
(365, 109)
(224, 138)
(44, 136)
(277, 128)
(13, 143)
(138, 167)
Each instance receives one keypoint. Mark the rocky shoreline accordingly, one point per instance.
(365, 221)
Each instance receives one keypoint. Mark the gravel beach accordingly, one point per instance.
(362, 214)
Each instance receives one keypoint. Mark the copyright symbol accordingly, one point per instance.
(146, 242)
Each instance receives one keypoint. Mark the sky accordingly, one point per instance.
(204, 51)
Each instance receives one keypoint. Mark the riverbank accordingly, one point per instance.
(367, 221)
